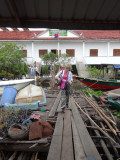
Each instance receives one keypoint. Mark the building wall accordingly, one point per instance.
(101, 46)
(81, 56)
(114, 45)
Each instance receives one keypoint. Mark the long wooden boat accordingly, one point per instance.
(99, 84)
(18, 84)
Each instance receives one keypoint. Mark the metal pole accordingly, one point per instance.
(58, 43)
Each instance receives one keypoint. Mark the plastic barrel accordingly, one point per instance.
(8, 96)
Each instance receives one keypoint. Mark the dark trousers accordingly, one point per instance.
(37, 74)
(65, 93)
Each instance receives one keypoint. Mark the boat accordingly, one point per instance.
(115, 104)
(30, 97)
(105, 83)
(30, 93)
(18, 84)
(99, 84)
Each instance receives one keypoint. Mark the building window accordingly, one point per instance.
(42, 52)
(93, 52)
(116, 52)
(25, 53)
(70, 52)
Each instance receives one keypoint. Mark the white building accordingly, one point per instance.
(85, 47)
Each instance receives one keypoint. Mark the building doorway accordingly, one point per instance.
(74, 70)
(54, 51)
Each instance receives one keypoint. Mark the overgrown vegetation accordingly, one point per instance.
(117, 114)
(45, 70)
(91, 92)
(12, 61)
(94, 72)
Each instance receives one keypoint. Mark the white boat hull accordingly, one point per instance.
(18, 84)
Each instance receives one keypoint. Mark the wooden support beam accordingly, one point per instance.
(13, 5)
(33, 156)
(20, 156)
(109, 156)
(40, 141)
(25, 147)
(13, 156)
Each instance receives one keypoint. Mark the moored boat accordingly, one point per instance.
(114, 104)
(99, 84)
(18, 84)
(30, 97)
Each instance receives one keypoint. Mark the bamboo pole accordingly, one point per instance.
(96, 125)
(96, 109)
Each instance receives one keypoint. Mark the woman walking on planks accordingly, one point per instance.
(65, 79)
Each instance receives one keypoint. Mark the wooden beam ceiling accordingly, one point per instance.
(13, 5)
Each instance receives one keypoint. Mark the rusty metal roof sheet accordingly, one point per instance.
(62, 14)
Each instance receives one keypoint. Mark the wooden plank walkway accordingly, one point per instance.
(71, 139)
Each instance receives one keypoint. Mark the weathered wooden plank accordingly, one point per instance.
(67, 145)
(54, 108)
(88, 145)
(40, 141)
(109, 156)
(55, 147)
(26, 156)
(20, 156)
(12, 157)
(25, 147)
(59, 107)
(33, 156)
(78, 147)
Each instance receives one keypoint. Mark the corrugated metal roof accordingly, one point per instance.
(62, 14)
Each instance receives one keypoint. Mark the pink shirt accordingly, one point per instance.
(65, 76)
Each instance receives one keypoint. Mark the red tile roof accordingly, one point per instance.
(18, 35)
(82, 34)
(95, 34)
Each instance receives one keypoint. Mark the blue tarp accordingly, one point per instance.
(117, 66)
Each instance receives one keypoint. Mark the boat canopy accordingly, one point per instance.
(117, 66)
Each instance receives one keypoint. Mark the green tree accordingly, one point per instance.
(49, 58)
(12, 61)
(52, 58)
(94, 72)
(55, 60)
